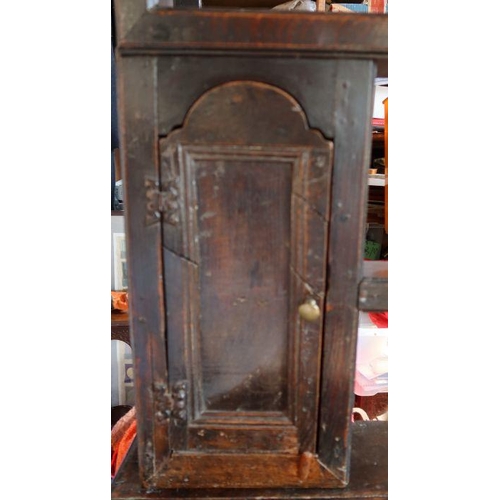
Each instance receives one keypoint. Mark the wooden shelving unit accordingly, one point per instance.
(120, 329)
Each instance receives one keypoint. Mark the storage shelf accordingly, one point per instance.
(373, 289)
(120, 329)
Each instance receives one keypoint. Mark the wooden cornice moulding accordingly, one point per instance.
(161, 30)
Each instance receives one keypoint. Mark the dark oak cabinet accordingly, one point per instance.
(245, 147)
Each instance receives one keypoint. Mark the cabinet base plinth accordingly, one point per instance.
(368, 476)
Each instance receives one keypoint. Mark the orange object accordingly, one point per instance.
(376, 6)
(119, 301)
(122, 436)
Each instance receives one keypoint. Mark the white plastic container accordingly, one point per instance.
(372, 370)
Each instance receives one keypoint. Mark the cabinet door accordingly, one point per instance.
(245, 189)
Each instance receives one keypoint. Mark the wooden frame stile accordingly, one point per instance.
(345, 260)
(146, 301)
(183, 59)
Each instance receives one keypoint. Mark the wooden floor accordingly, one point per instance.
(368, 475)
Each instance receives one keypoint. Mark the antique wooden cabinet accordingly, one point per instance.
(245, 145)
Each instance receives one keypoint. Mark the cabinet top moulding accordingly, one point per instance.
(308, 34)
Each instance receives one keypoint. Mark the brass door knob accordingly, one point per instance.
(309, 310)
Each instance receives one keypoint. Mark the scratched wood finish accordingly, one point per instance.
(168, 61)
(248, 470)
(244, 280)
(242, 439)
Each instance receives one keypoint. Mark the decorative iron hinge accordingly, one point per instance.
(170, 404)
(162, 200)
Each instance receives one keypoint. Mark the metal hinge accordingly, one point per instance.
(162, 200)
(170, 404)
